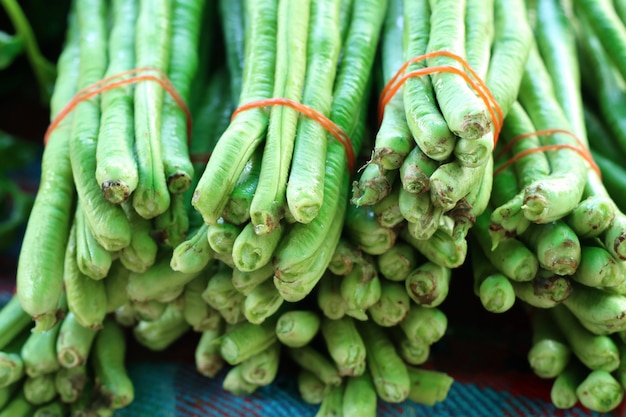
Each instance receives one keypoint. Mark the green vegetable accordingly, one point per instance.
(359, 396)
(556, 246)
(207, 355)
(595, 352)
(428, 387)
(305, 185)
(262, 368)
(344, 345)
(13, 321)
(40, 263)
(262, 302)
(152, 49)
(296, 328)
(198, 314)
(18, 406)
(310, 387)
(113, 384)
(40, 389)
(360, 290)
(235, 383)
(245, 282)
(600, 391)
(424, 324)
(116, 168)
(159, 334)
(429, 128)
(545, 290)
(252, 250)
(332, 403)
(392, 306)
(246, 131)
(563, 390)
(318, 363)
(396, 263)
(550, 353)
(12, 366)
(141, 253)
(428, 284)
(86, 297)
(389, 373)
(245, 340)
(74, 342)
(70, 383)
(186, 27)
(329, 298)
(53, 409)
(158, 281)
(39, 352)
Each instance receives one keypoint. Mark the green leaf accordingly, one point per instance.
(10, 47)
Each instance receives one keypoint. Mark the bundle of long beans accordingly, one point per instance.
(255, 227)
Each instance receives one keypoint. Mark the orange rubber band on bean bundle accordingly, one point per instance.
(108, 83)
(581, 149)
(477, 84)
(311, 113)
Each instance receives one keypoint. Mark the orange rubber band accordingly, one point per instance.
(581, 149)
(477, 84)
(108, 83)
(311, 113)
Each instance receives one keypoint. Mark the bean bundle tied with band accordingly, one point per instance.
(346, 159)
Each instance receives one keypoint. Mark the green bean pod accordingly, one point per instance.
(70, 383)
(429, 387)
(318, 363)
(92, 259)
(359, 396)
(262, 368)
(344, 345)
(245, 282)
(40, 264)
(596, 352)
(397, 262)
(392, 306)
(310, 387)
(550, 353)
(116, 168)
(158, 281)
(159, 334)
(40, 389)
(194, 254)
(262, 302)
(305, 185)
(153, 30)
(112, 380)
(389, 373)
(563, 390)
(142, 250)
(207, 355)
(427, 124)
(329, 298)
(244, 340)
(296, 328)
(86, 297)
(198, 314)
(428, 284)
(424, 324)
(186, 28)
